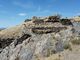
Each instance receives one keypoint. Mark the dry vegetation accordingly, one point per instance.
(10, 32)
(76, 41)
(67, 46)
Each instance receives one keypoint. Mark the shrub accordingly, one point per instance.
(54, 18)
(34, 18)
(66, 22)
(76, 41)
(67, 46)
(27, 20)
(50, 52)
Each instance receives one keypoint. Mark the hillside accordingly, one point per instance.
(49, 38)
(2, 29)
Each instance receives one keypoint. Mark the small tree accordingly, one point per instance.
(34, 18)
(27, 20)
(66, 21)
(54, 18)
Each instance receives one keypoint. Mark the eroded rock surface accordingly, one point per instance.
(29, 41)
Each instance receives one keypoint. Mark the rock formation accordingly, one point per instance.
(76, 19)
(40, 40)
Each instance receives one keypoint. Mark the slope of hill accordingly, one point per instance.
(2, 29)
(40, 39)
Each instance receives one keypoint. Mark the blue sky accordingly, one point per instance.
(14, 12)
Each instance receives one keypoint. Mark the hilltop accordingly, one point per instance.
(48, 38)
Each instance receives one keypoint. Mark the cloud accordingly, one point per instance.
(24, 5)
(22, 14)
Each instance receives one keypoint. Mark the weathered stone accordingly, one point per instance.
(21, 42)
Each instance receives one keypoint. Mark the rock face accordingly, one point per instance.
(29, 41)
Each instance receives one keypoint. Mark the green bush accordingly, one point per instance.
(66, 22)
(27, 20)
(67, 46)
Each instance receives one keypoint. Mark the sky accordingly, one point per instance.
(14, 12)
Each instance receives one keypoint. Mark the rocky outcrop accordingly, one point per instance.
(45, 30)
(76, 19)
(37, 46)
(45, 41)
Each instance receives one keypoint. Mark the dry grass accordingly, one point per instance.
(11, 32)
(14, 31)
(76, 41)
(54, 57)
